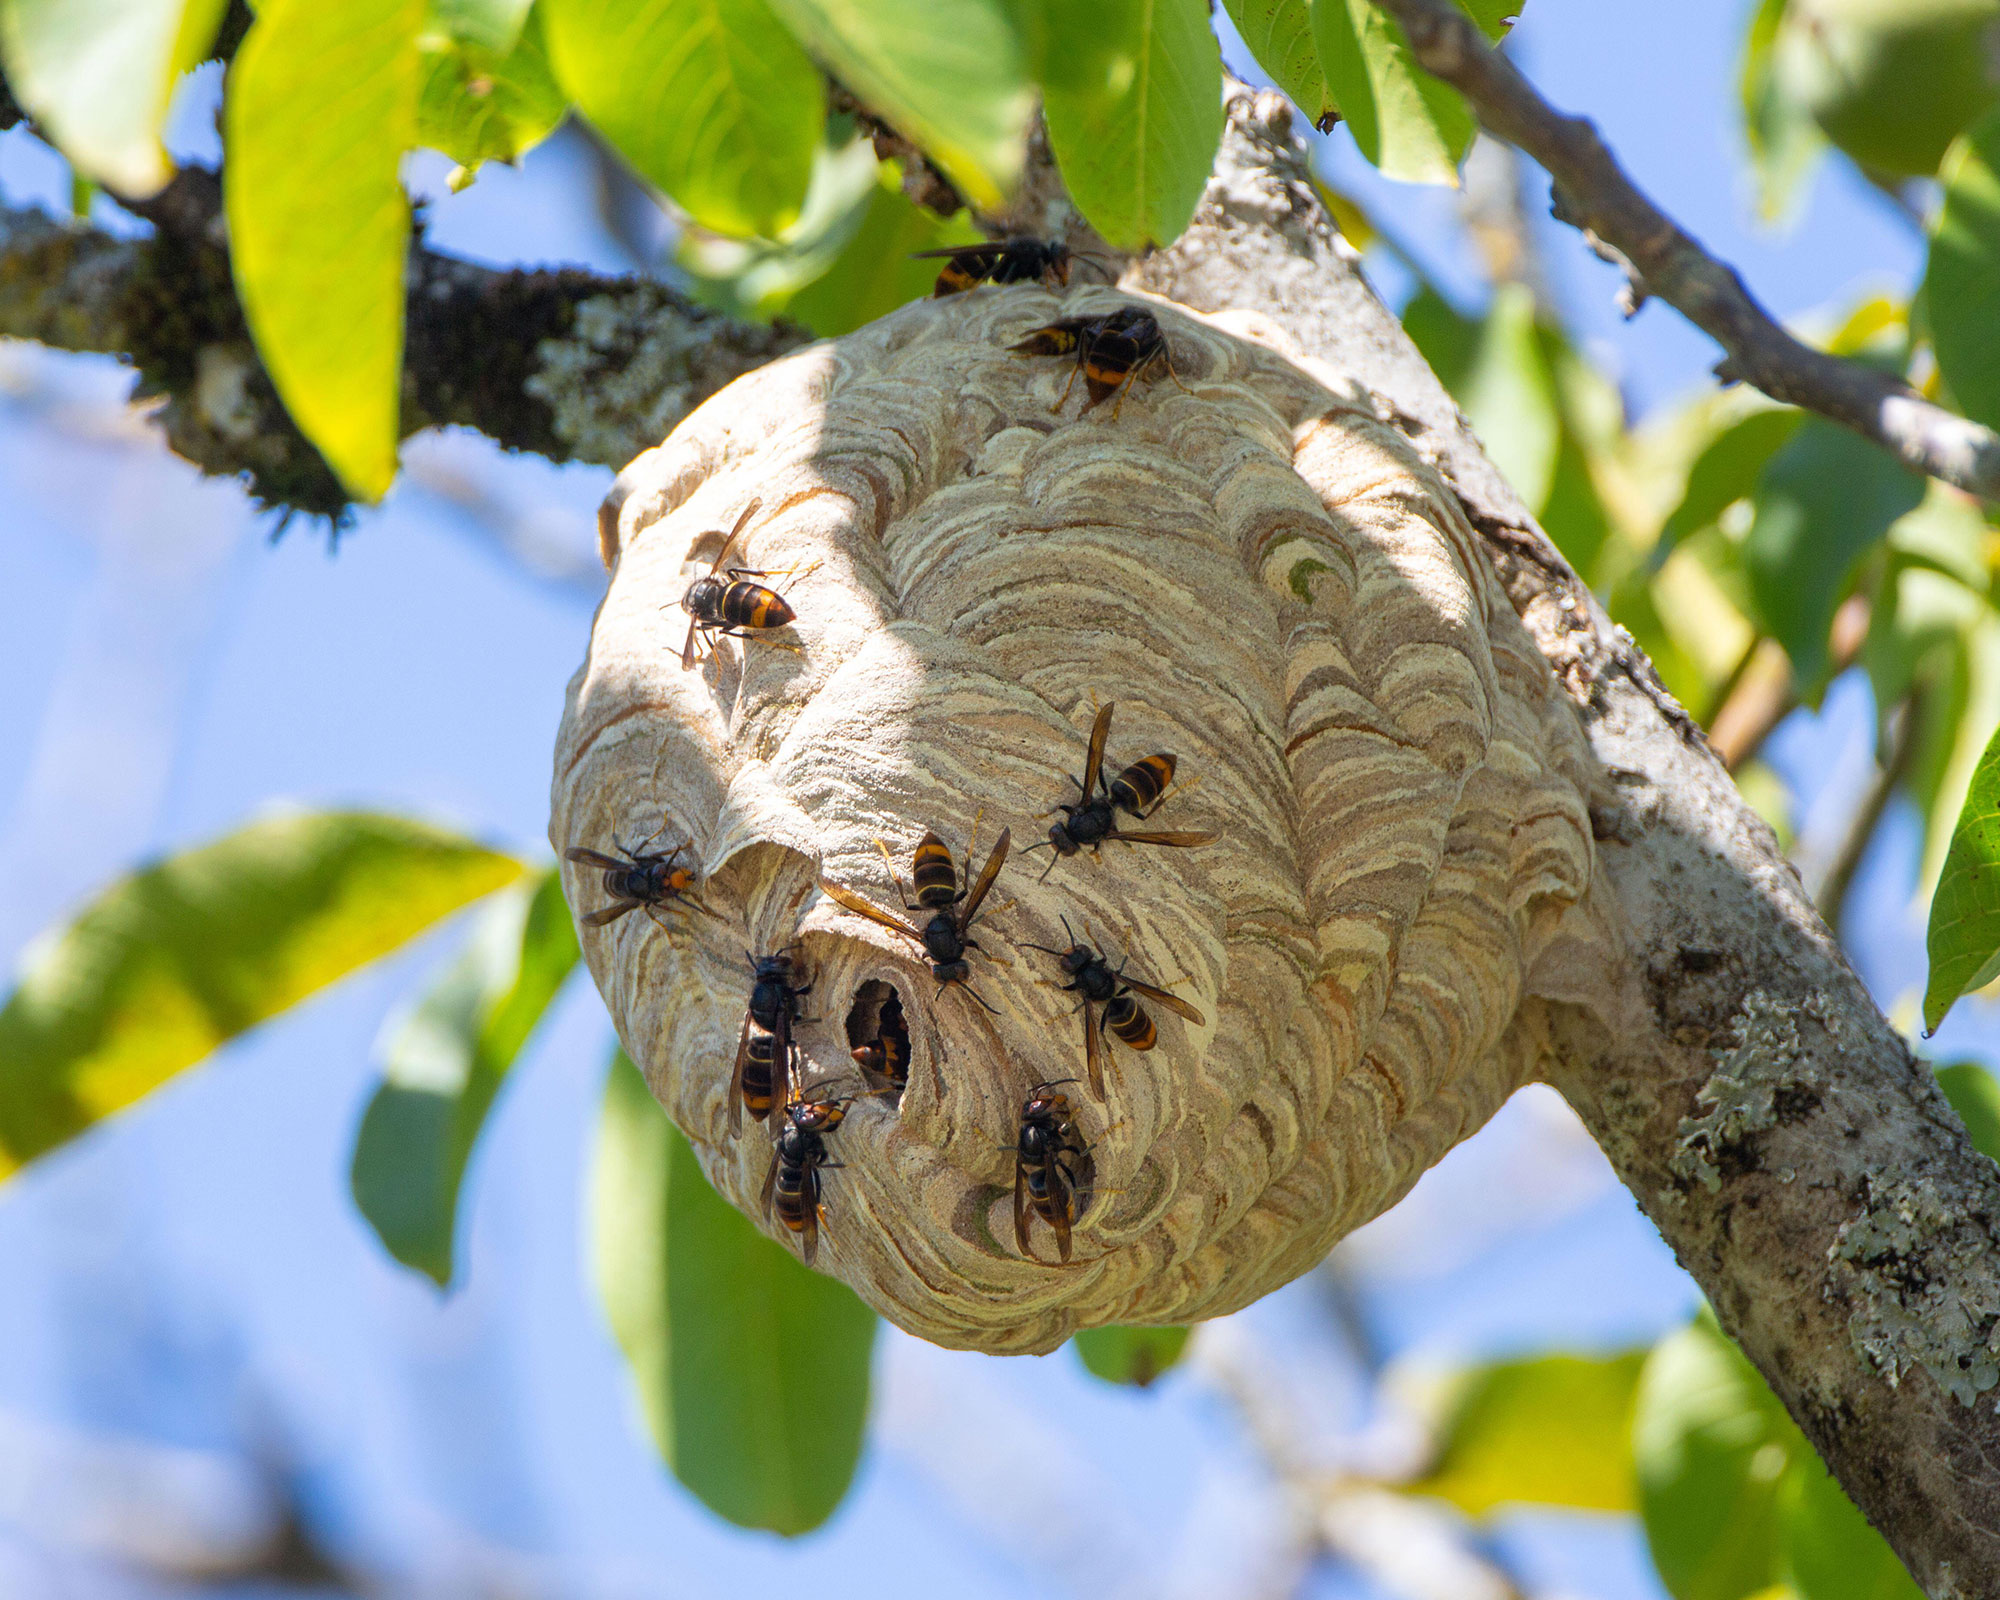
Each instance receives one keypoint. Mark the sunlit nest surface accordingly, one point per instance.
(1270, 583)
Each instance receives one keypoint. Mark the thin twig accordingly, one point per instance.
(1663, 259)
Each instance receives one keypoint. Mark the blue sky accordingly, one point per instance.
(198, 1326)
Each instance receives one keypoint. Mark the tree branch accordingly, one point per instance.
(568, 364)
(1804, 1168)
(1593, 193)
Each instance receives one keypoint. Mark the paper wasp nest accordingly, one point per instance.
(1268, 582)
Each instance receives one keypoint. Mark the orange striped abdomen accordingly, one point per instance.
(1138, 788)
(751, 605)
(936, 874)
(1128, 1020)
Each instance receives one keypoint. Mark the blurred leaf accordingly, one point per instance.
(445, 1063)
(478, 106)
(322, 104)
(1445, 336)
(1279, 34)
(709, 99)
(873, 273)
(493, 26)
(1824, 499)
(1893, 84)
(1784, 140)
(173, 961)
(1509, 395)
(950, 75)
(1974, 1094)
(1962, 711)
(1963, 940)
(98, 74)
(1828, 1549)
(752, 1370)
(1348, 214)
(1572, 513)
(1725, 472)
(1710, 1443)
(1130, 1355)
(1554, 1430)
(1962, 282)
(1405, 122)
(1758, 782)
(1136, 137)
(755, 277)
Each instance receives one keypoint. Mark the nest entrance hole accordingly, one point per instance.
(879, 1036)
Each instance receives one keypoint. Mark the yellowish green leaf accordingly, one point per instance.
(951, 75)
(322, 105)
(1279, 35)
(1552, 1430)
(97, 74)
(445, 1063)
(709, 99)
(874, 272)
(1710, 1444)
(1135, 138)
(185, 955)
(1974, 1094)
(1405, 122)
(1129, 1355)
(1963, 940)
(752, 1370)
(1962, 282)
(478, 106)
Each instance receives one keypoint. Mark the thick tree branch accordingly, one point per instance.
(1771, 1122)
(567, 364)
(1594, 194)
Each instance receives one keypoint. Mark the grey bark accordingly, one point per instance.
(1802, 1165)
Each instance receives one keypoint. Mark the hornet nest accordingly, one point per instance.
(1267, 580)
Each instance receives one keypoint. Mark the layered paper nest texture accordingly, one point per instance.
(1269, 582)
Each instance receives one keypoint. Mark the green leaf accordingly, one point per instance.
(322, 104)
(1963, 940)
(755, 277)
(1822, 502)
(1974, 1094)
(1553, 1430)
(1828, 1550)
(1784, 140)
(1710, 1444)
(1405, 122)
(950, 75)
(1574, 511)
(1136, 133)
(480, 106)
(1893, 84)
(182, 956)
(1509, 395)
(445, 1063)
(1279, 34)
(709, 99)
(874, 273)
(98, 74)
(1727, 470)
(1962, 281)
(1444, 335)
(752, 1370)
(493, 26)
(1133, 1356)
